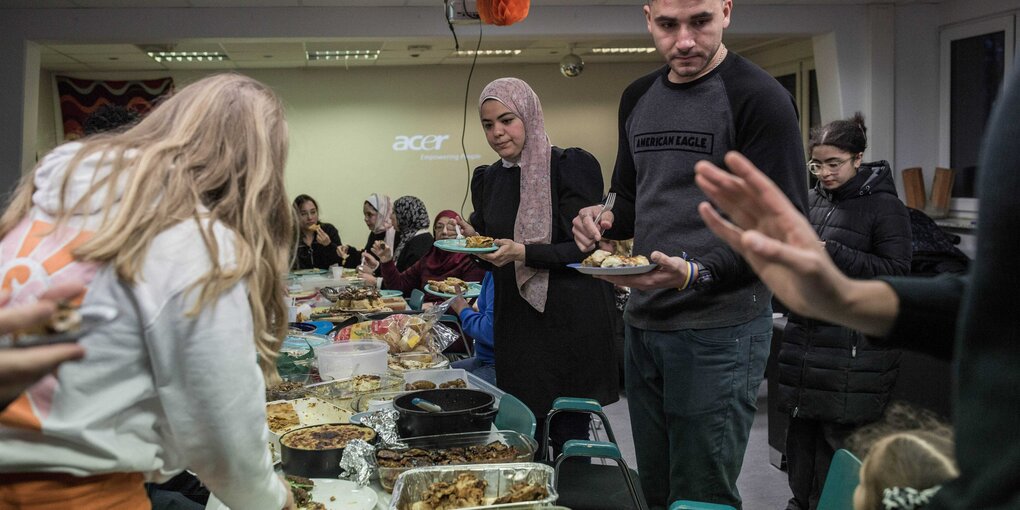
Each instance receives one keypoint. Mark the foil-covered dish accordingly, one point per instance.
(480, 487)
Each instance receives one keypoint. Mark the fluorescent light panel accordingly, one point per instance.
(621, 51)
(488, 53)
(188, 56)
(343, 55)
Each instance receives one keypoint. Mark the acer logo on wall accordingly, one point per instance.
(419, 142)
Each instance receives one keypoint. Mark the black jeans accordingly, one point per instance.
(692, 396)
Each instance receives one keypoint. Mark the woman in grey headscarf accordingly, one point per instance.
(553, 335)
(414, 231)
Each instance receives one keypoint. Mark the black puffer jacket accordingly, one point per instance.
(832, 373)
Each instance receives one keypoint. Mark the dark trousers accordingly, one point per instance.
(692, 396)
(810, 445)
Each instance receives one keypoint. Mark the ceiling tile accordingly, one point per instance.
(95, 49)
(36, 4)
(264, 48)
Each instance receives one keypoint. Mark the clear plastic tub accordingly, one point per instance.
(347, 359)
(341, 392)
(436, 377)
(525, 450)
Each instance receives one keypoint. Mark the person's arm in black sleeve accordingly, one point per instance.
(928, 312)
(768, 134)
(624, 181)
(415, 249)
(477, 218)
(579, 179)
(890, 252)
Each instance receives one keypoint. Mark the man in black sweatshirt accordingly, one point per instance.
(699, 326)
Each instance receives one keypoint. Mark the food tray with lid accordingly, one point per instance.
(499, 478)
(524, 445)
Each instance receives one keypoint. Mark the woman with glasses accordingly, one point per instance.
(831, 379)
(434, 265)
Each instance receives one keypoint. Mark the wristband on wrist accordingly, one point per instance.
(689, 277)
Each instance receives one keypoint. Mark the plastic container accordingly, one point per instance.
(499, 477)
(524, 445)
(436, 377)
(310, 411)
(402, 362)
(347, 359)
(343, 391)
(376, 400)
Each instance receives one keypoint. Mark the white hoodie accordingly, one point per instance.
(159, 391)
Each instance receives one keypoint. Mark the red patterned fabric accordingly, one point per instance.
(503, 12)
(79, 98)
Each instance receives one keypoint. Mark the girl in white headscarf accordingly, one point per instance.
(553, 335)
(378, 211)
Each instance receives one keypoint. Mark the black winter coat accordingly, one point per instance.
(832, 373)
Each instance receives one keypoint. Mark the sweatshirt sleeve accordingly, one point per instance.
(211, 388)
(579, 184)
(479, 324)
(403, 281)
(928, 313)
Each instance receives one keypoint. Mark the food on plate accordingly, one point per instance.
(521, 492)
(602, 258)
(365, 382)
(282, 416)
(66, 319)
(420, 385)
(450, 285)
(330, 436)
(418, 457)
(364, 298)
(478, 242)
(429, 385)
(285, 391)
(301, 488)
(466, 491)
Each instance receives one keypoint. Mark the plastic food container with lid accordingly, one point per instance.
(347, 359)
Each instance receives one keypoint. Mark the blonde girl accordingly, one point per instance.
(182, 224)
(905, 470)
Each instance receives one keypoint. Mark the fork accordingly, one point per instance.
(607, 206)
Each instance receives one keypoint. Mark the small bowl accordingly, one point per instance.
(330, 293)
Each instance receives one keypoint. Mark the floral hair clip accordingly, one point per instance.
(907, 498)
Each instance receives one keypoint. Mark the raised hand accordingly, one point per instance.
(465, 228)
(382, 251)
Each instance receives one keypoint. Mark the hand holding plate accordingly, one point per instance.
(672, 272)
(509, 251)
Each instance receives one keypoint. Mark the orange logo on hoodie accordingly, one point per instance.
(34, 257)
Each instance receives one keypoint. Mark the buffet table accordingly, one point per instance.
(348, 497)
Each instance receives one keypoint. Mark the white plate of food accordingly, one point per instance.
(472, 244)
(602, 262)
(325, 493)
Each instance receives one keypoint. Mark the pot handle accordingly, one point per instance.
(487, 414)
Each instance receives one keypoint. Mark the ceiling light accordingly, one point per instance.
(488, 53)
(343, 55)
(621, 51)
(188, 56)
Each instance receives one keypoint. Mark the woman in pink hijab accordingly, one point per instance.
(553, 330)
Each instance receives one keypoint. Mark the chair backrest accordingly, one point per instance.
(514, 415)
(840, 483)
(417, 297)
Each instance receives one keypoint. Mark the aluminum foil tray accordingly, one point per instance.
(500, 478)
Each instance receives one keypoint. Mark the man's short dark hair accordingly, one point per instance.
(109, 117)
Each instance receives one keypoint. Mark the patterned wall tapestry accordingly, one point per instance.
(80, 98)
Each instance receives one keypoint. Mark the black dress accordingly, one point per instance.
(567, 351)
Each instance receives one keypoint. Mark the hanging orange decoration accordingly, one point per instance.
(502, 12)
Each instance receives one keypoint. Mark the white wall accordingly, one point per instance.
(343, 125)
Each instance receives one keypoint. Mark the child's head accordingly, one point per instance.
(903, 470)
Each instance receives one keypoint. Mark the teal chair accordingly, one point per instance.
(840, 483)
(697, 505)
(417, 298)
(514, 415)
(585, 486)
